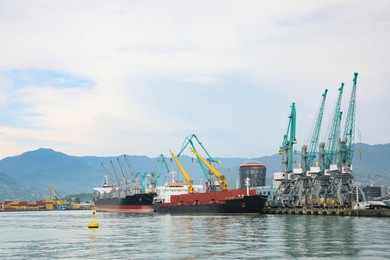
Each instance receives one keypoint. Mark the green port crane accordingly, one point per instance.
(347, 142)
(333, 138)
(157, 168)
(289, 139)
(187, 141)
(310, 153)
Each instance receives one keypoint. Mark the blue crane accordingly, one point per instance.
(288, 141)
(187, 141)
(333, 138)
(347, 145)
(312, 151)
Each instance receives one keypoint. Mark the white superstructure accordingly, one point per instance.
(165, 192)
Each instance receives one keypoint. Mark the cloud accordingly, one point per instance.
(201, 79)
(56, 79)
(95, 77)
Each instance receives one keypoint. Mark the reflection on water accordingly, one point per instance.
(53, 235)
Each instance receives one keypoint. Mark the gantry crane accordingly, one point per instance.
(221, 178)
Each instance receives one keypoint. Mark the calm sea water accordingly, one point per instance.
(64, 235)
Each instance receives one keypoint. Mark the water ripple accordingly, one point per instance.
(64, 235)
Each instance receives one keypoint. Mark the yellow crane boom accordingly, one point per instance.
(61, 204)
(185, 174)
(221, 178)
(56, 196)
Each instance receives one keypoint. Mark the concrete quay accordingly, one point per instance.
(381, 212)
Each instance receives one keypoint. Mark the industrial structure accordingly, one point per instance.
(205, 164)
(59, 203)
(253, 170)
(324, 175)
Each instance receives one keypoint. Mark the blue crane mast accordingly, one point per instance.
(347, 142)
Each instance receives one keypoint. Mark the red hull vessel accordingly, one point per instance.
(218, 202)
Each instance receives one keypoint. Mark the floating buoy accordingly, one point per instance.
(93, 223)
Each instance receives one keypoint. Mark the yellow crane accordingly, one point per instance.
(61, 204)
(185, 174)
(221, 178)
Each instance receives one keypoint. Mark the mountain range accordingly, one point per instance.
(28, 176)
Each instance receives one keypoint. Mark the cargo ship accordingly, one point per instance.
(217, 202)
(217, 199)
(112, 199)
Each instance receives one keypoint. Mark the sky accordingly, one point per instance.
(105, 78)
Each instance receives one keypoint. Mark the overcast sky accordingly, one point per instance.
(136, 77)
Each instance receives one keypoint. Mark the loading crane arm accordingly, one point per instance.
(185, 174)
(157, 168)
(56, 196)
(221, 178)
(313, 149)
(188, 141)
(108, 175)
(333, 138)
(135, 178)
(347, 142)
(289, 140)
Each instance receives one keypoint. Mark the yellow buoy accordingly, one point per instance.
(93, 223)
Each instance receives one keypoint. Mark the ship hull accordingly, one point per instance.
(136, 203)
(243, 205)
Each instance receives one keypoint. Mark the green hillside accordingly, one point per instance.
(28, 175)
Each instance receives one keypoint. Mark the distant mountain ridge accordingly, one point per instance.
(27, 176)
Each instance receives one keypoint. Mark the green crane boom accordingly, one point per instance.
(332, 142)
(187, 141)
(347, 143)
(288, 141)
(157, 168)
(313, 147)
